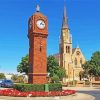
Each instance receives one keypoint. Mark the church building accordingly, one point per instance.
(71, 59)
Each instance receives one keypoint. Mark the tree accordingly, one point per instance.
(23, 66)
(2, 76)
(54, 69)
(14, 78)
(20, 79)
(55, 79)
(92, 67)
(52, 65)
(95, 63)
(61, 73)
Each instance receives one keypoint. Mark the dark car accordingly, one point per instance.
(1, 80)
(6, 83)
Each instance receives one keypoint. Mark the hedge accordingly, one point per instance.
(38, 87)
(55, 87)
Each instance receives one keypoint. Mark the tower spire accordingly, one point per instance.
(65, 21)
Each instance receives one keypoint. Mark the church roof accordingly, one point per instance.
(57, 55)
(73, 50)
(65, 20)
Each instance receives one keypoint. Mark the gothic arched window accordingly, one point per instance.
(67, 49)
(75, 61)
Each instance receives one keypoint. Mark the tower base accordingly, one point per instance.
(37, 78)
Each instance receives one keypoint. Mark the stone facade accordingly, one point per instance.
(69, 58)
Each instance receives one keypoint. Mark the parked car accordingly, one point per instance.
(1, 80)
(6, 83)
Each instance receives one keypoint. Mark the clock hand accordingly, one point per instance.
(41, 23)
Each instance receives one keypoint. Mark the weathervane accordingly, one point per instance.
(37, 8)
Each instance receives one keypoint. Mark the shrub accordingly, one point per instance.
(55, 87)
(29, 87)
(87, 82)
(38, 87)
(55, 79)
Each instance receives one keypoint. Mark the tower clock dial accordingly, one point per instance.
(30, 24)
(40, 24)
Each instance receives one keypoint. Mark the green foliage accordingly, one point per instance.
(51, 65)
(87, 82)
(61, 73)
(14, 78)
(54, 69)
(18, 79)
(95, 63)
(38, 87)
(92, 67)
(55, 79)
(55, 87)
(29, 87)
(2, 76)
(23, 66)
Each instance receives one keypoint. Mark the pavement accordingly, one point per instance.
(83, 88)
(77, 96)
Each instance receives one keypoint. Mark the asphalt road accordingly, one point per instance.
(94, 93)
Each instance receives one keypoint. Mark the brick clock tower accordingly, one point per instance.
(37, 34)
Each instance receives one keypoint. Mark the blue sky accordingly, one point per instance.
(84, 23)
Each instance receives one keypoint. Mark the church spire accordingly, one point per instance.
(65, 20)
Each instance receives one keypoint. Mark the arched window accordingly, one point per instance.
(75, 61)
(67, 49)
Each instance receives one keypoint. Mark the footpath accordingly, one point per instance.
(83, 88)
(77, 96)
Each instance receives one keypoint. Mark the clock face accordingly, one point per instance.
(40, 24)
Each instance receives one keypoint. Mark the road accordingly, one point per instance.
(94, 93)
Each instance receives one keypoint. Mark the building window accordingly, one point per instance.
(67, 49)
(77, 53)
(75, 61)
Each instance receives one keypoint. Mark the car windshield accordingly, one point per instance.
(8, 81)
(0, 81)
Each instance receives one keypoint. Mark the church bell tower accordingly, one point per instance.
(65, 44)
(37, 34)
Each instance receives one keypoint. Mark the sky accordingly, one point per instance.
(83, 20)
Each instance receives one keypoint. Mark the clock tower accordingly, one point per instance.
(37, 34)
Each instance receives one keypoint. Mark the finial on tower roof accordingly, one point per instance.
(38, 8)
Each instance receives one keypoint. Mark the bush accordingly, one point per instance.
(38, 87)
(87, 82)
(29, 87)
(55, 79)
(55, 87)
